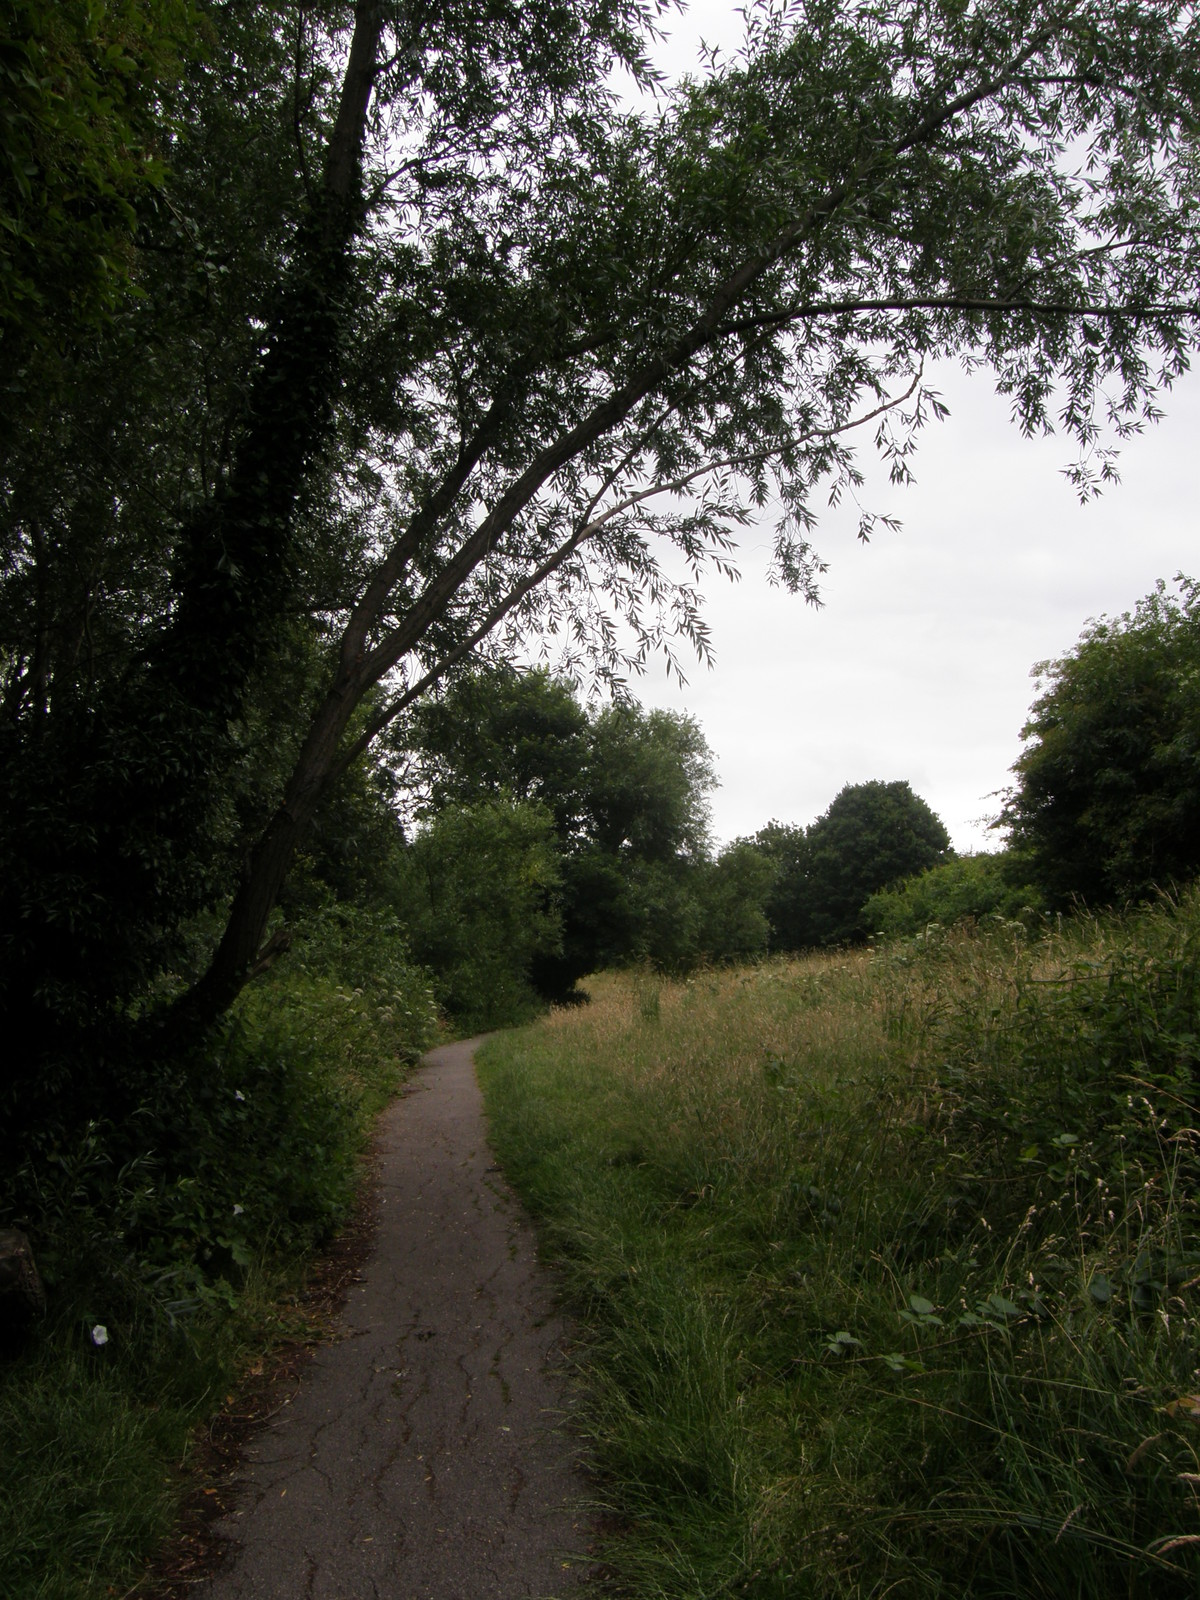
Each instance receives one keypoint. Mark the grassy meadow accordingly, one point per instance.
(886, 1264)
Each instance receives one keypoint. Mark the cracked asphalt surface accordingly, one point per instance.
(422, 1458)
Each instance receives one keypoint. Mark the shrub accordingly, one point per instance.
(974, 886)
(173, 1233)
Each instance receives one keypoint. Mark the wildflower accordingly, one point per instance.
(238, 1095)
(237, 1210)
(99, 1334)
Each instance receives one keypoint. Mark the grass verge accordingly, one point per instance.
(173, 1246)
(887, 1264)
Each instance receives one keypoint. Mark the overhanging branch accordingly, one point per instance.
(708, 328)
(811, 310)
(585, 529)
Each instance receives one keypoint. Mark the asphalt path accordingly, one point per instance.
(423, 1457)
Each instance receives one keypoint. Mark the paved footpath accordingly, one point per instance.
(420, 1459)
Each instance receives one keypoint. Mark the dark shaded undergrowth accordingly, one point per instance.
(171, 1244)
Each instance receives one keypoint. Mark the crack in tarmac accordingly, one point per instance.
(400, 1470)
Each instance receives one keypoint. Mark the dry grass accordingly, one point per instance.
(887, 1263)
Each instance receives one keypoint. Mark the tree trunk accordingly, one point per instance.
(228, 603)
(234, 579)
(268, 863)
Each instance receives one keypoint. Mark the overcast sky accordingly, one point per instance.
(918, 664)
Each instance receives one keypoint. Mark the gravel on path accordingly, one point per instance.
(422, 1457)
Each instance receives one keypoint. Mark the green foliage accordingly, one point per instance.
(786, 848)
(733, 891)
(667, 929)
(885, 1264)
(479, 890)
(128, 815)
(627, 789)
(82, 144)
(485, 355)
(498, 732)
(972, 886)
(648, 778)
(247, 1143)
(351, 854)
(646, 815)
(1106, 807)
(175, 1233)
(872, 835)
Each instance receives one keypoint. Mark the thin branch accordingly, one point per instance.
(951, 110)
(585, 530)
(747, 458)
(437, 504)
(1046, 308)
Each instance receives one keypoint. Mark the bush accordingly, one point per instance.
(173, 1233)
(975, 886)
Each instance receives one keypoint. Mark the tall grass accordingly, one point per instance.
(886, 1264)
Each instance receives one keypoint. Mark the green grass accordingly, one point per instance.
(95, 1440)
(886, 1265)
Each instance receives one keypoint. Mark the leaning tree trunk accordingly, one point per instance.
(268, 863)
(234, 588)
(234, 573)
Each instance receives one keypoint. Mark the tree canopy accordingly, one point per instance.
(83, 89)
(785, 847)
(502, 732)
(873, 834)
(628, 791)
(432, 345)
(1106, 806)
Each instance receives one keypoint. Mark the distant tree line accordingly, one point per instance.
(552, 840)
(523, 840)
(1105, 806)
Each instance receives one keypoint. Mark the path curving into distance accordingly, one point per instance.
(421, 1459)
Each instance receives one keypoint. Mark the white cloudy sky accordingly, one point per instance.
(917, 666)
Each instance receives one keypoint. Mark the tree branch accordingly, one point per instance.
(585, 529)
(342, 168)
(1047, 308)
(707, 329)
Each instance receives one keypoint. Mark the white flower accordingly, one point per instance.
(237, 1210)
(99, 1334)
(238, 1095)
